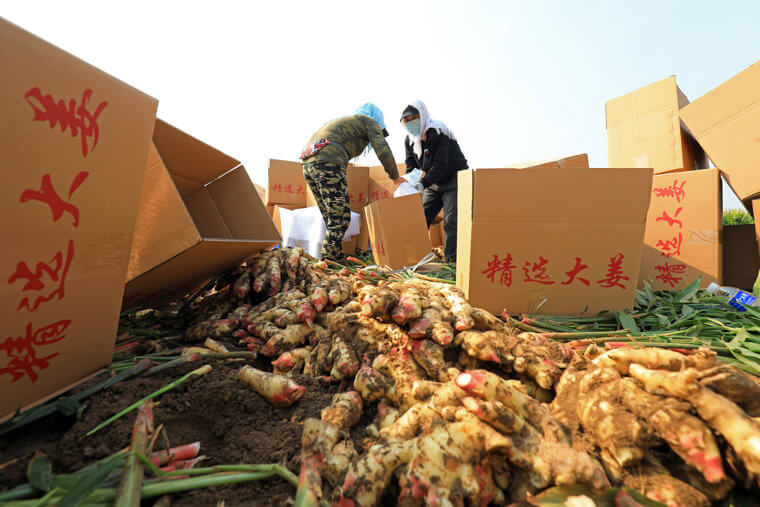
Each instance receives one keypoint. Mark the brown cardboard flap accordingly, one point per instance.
(241, 208)
(189, 159)
(397, 231)
(206, 215)
(164, 227)
(560, 194)
(74, 144)
(725, 121)
(190, 269)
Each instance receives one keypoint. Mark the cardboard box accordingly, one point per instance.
(357, 178)
(683, 233)
(397, 231)
(571, 162)
(362, 240)
(74, 142)
(553, 241)
(285, 184)
(725, 122)
(741, 258)
(380, 186)
(435, 232)
(199, 215)
(644, 130)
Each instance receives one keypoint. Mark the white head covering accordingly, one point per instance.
(426, 123)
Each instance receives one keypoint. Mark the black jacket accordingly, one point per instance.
(441, 159)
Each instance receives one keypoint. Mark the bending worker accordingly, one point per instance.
(325, 159)
(431, 147)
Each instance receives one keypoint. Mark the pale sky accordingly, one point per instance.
(515, 81)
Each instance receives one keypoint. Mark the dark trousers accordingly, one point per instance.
(435, 198)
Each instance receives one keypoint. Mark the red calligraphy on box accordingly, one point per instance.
(536, 272)
(300, 190)
(670, 247)
(572, 275)
(670, 274)
(47, 194)
(56, 270)
(674, 190)
(289, 189)
(615, 275)
(22, 353)
(671, 221)
(277, 187)
(502, 267)
(78, 118)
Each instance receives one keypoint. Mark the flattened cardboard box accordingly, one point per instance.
(285, 183)
(397, 231)
(644, 130)
(357, 179)
(741, 258)
(725, 121)
(199, 215)
(74, 142)
(553, 241)
(682, 239)
(572, 162)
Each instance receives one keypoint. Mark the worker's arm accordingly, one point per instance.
(383, 151)
(411, 160)
(438, 146)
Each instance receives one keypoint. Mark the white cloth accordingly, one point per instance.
(411, 185)
(306, 228)
(426, 123)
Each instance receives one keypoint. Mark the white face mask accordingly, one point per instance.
(413, 127)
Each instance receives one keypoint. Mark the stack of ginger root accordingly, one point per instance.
(469, 410)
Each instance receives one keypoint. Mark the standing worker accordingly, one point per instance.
(325, 159)
(431, 147)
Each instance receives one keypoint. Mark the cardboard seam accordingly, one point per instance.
(728, 119)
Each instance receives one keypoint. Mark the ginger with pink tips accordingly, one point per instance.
(278, 390)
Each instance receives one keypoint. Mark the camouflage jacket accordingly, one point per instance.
(354, 133)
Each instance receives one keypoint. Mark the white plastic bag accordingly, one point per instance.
(411, 185)
(306, 228)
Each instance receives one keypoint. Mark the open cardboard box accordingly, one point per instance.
(725, 122)
(71, 186)
(397, 231)
(644, 130)
(682, 240)
(553, 241)
(199, 215)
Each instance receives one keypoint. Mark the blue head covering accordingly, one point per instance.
(371, 110)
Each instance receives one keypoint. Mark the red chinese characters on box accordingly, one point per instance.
(288, 189)
(39, 281)
(669, 271)
(538, 272)
(378, 247)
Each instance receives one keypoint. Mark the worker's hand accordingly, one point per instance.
(399, 181)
